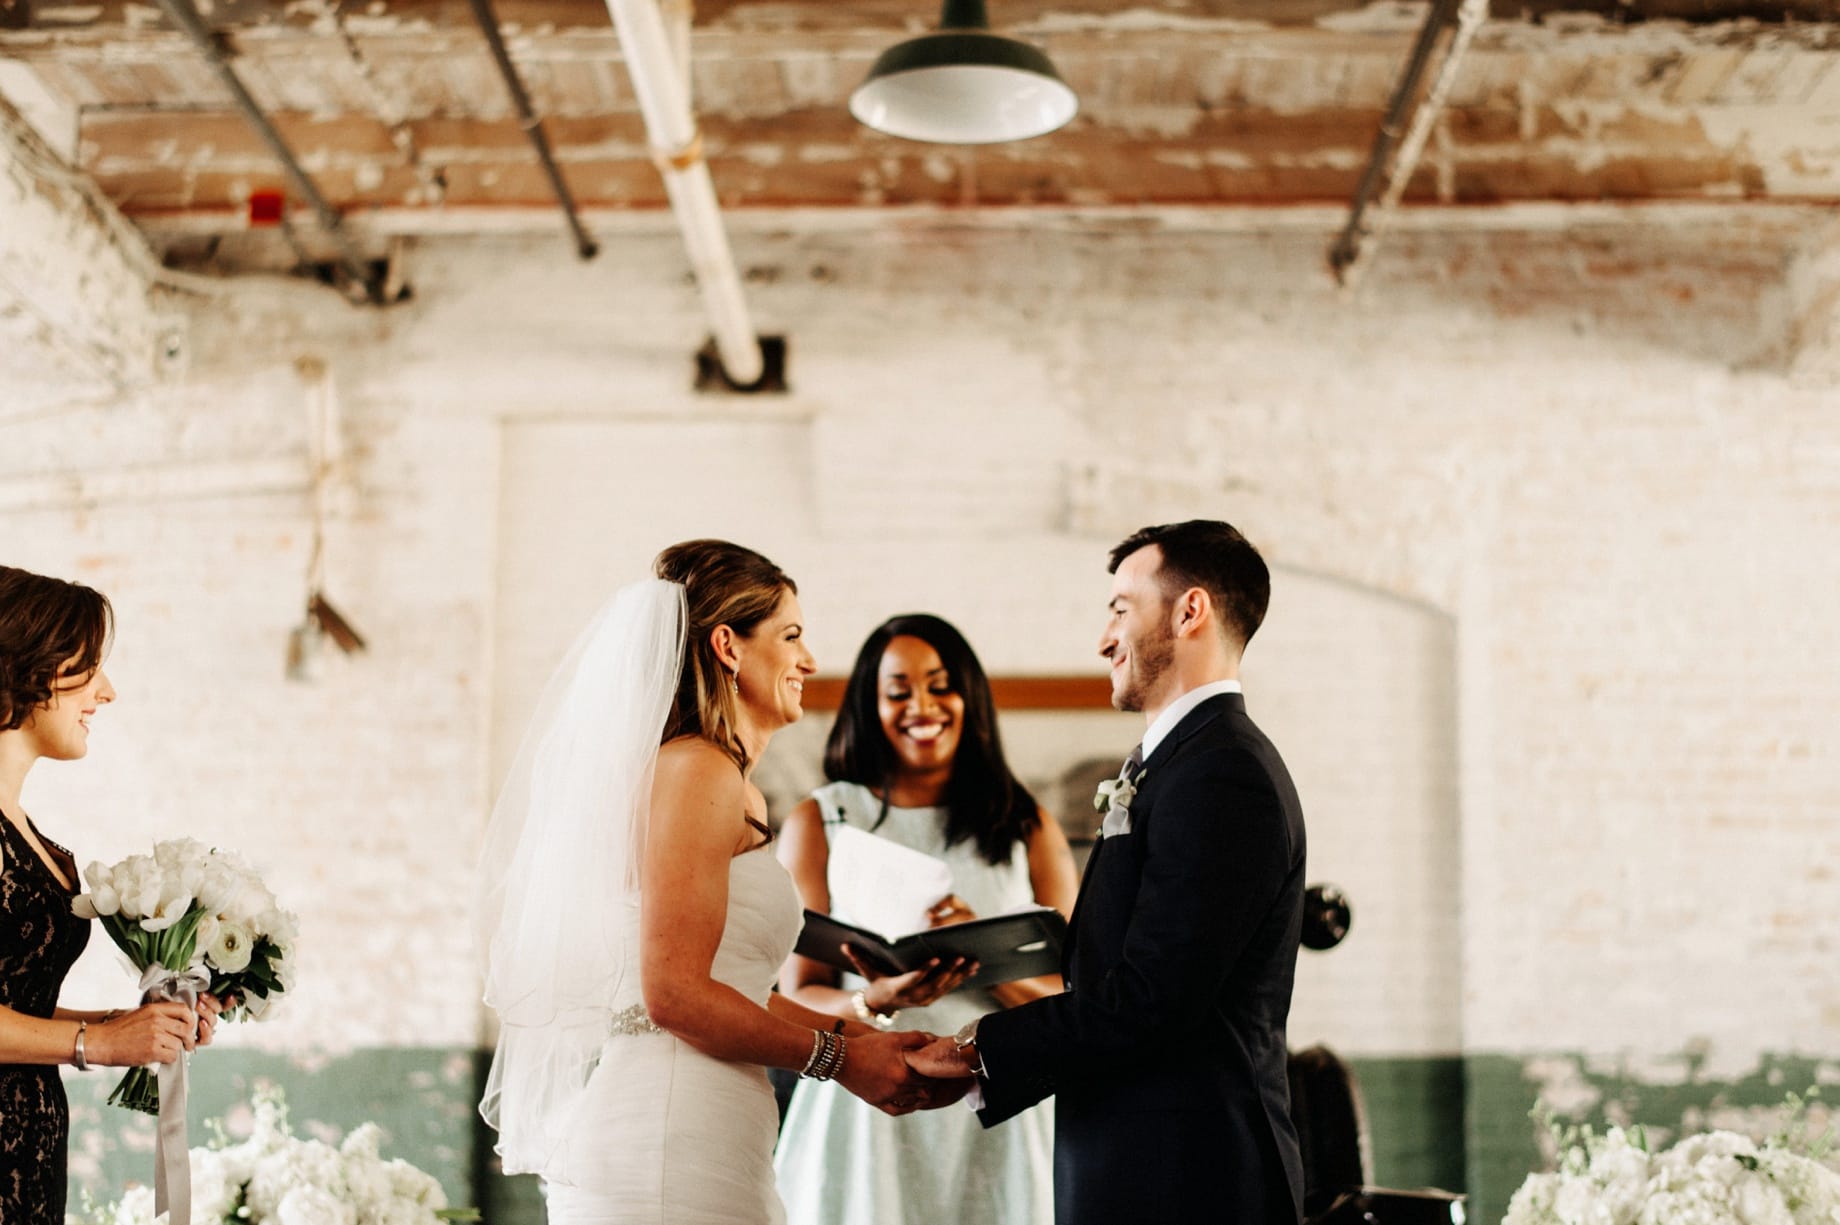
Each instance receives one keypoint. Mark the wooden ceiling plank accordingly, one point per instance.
(739, 87)
(1703, 75)
(1823, 94)
(1760, 76)
(1801, 73)
(71, 82)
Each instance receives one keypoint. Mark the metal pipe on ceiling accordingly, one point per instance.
(1405, 129)
(677, 149)
(362, 272)
(533, 127)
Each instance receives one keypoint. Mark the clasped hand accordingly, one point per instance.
(158, 1032)
(880, 1069)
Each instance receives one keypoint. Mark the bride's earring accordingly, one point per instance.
(734, 684)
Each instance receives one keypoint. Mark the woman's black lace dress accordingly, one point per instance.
(40, 939)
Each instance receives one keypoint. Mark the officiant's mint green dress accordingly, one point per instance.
(841, 1162)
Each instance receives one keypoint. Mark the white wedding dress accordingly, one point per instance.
(663, 1134)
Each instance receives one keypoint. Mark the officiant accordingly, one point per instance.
(916, 765)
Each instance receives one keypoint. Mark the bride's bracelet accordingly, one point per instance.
(826, 1055)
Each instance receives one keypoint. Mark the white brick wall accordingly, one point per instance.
(77, 314)
(1551, 650)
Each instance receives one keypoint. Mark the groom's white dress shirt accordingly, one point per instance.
(1118, 815)
(1178, 710)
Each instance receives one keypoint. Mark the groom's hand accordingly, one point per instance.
(875, 1068)
(942, 1060)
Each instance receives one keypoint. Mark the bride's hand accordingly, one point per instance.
(915, 989)
(875, 1069)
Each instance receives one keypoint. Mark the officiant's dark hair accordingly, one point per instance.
(724, 584)
(1213, 556)
(985, 801)
(53, 635)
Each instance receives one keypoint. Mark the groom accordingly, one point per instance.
(1166, 1054)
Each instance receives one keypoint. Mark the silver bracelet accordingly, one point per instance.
(76, 1056)
(817, 1049)
(861, 1002)
(826, 1056)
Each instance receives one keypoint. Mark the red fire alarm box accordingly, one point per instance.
(266, 206)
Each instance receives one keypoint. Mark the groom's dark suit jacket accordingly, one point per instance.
(1166, 1054)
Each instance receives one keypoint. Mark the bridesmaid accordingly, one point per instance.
(53, 636)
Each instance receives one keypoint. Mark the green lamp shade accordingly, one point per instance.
(963, 87)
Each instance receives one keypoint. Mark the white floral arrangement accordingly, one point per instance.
(191, 919)
(275, 1176)
(1714, 1178)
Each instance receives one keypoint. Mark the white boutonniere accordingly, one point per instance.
(1114, 800)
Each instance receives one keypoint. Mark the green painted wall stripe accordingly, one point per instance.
(1459, 1123)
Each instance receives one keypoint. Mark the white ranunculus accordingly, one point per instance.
(206, 932)
(231, 950)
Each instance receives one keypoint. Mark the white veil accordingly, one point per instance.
(559, 874)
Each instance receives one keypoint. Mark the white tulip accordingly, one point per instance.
(104, 897)
(137, 881)
(168, 912)
(219, 887)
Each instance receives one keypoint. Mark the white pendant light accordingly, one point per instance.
(963, 85)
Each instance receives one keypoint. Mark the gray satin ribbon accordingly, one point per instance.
(172, 1158)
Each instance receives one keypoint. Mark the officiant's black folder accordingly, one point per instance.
(1005, 947)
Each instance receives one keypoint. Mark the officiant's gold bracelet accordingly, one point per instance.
(861, 1002)
(826, 1055)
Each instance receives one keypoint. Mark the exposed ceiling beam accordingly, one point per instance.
(765, 16)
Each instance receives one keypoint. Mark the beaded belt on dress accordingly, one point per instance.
(634, 1020)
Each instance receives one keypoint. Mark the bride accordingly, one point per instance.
(635, 926)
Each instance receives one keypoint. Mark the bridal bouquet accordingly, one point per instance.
(191, 920)
(275, 1176)
(1716, 1178)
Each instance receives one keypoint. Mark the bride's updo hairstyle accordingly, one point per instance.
(51, 631)
(724, 584)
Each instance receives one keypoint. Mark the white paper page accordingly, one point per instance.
(882, 885)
